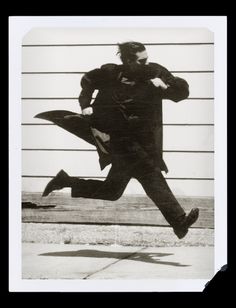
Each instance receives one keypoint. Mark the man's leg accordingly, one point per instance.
(111, 188)
(159, 192)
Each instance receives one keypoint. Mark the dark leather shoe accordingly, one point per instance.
(58, 182)
(189, 220)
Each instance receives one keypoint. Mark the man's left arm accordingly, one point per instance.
(174, 88)
(177, 90)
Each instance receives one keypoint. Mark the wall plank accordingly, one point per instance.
(91, 35)
(85, 58)
(198, 188)
(190, 138)
(186, 165)
(187, 111)
(68, 85)
(32, 107)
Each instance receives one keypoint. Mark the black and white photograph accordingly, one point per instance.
(117, 153)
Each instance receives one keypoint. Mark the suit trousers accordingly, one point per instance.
(126, 165)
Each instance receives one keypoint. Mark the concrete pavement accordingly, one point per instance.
(91, 262)
(144, 236)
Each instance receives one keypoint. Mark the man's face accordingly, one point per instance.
(142, 57)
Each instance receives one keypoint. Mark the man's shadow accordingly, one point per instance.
(135, 256)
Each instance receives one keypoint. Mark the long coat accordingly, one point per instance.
(119, 109)
(127, 101)
(80, 126)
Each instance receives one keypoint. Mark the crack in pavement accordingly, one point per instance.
(105, 267)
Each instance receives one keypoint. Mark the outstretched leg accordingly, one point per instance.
(111, 188)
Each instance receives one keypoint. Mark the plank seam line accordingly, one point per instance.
(94, 150)
(76, 98)
(26, 221)
(164, 124)
(112, 44)
(103, 177)
(41, 73)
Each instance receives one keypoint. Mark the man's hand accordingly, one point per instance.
(159, 83)
(87, 111)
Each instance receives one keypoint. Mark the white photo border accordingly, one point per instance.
(18, 27)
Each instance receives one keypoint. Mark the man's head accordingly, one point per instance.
(133, 53)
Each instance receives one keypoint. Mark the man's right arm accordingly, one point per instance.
(89, 83)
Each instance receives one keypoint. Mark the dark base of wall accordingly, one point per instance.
(134, 210)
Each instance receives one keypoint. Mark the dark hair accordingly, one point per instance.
(128, 51)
